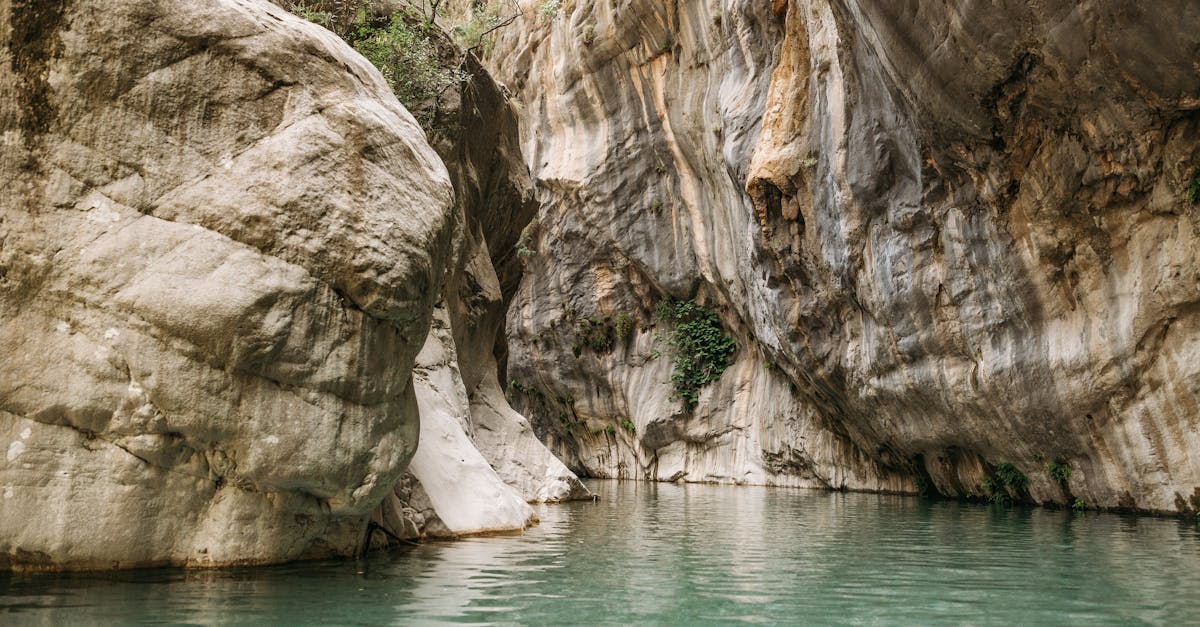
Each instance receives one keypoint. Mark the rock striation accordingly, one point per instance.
(945, 236)
(221, 243)
(479, 462)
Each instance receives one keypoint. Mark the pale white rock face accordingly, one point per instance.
(521, 459)
(944, 235)
(220, 245)
(462, 488)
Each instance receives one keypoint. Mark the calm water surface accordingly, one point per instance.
(693, 554)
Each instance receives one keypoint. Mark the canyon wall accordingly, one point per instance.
(945, 237)
(221, 249)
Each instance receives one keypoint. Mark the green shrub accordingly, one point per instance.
(521, 387)
(1005, 483)
(622, 325)
(1010, 477)
(474, 33)
(1193, 188)
(702, 351)
(402, 46)
(995, 491)
(628, 425)
(549, 9)
(1058, 470)
(407, 59)
(593, 332)
(324, 18)
(531, 392)
(525, 243)
(1079, 505)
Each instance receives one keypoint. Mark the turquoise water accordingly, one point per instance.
(693, 554)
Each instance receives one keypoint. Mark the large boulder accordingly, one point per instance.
(221, 242)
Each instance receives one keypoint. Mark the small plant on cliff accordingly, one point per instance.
(1079, 505)
(407, 58)
(1010, 477)
(594, 332)
(622, 325)
(324, 18)
(1193, 189)
(402, 45)
(1058, 470)
(628, 425)
(549, 9)
(473, 33)
(702, 351)
(1005, 483)
(526, 241)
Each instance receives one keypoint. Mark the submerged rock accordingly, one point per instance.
(221, 242)
(944, 237)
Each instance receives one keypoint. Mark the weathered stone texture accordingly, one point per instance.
(958, 234)
(221, 242)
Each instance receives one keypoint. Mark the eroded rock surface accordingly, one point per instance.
(221, 242)
(945, 236)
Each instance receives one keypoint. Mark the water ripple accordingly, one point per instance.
(698, 555)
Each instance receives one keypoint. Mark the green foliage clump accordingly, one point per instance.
(549, 9)
(522, 387)
(1010, 477)
(628, 425)
(622, 325)
(1058, 470)
(600, 333)
(473, 34)
(401, 45)
(593, 332)
(702, 351)
(995, 491)
(1005, 483)
(1079, 505)
(407, 58)
(525, 242)
(312, 14)
(1193, 189)
(530, 392)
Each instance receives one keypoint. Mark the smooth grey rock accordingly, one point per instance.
(220, 245)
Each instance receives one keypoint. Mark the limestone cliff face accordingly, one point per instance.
(221, 243)
(945, 236)
(479, 461)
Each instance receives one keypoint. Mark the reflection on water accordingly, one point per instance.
(693, 553)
